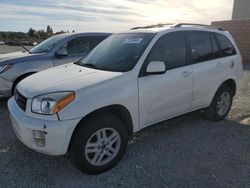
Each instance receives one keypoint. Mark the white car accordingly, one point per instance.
(131, 80)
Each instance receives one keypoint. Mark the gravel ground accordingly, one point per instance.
(187, 151)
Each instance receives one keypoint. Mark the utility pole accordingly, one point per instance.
(77, 25)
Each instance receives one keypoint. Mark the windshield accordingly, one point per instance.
(47, 45)
(119, 52)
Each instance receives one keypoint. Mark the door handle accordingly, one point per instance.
(186, 74)
(232, 64)
(219, 65)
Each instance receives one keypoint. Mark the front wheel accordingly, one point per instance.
(99, 144)
(221, 104)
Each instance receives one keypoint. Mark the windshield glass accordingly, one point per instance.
(119, 52)
(47, 45)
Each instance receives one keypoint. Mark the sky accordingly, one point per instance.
(107, 15)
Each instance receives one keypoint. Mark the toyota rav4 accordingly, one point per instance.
(131, 80)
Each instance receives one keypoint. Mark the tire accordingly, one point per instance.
(215, 111)
(88, 132)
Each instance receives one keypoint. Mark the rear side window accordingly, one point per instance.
(226, 46)
(171, 49)
(201, 49)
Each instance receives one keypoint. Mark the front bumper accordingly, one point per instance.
(5, 87)
(58, 133)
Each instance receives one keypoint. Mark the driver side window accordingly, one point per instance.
(78, 46)
(170, 49)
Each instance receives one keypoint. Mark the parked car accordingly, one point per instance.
(130, 81)
(34, 43)
(26, 43)
(1, 42)
(57, 50)
(12, 43)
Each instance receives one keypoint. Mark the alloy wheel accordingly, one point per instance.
(103, 146)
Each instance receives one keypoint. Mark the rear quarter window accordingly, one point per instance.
(226, 47)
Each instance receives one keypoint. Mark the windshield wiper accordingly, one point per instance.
(89, 65)
(25, 48)
(78, 62)
(110, 69)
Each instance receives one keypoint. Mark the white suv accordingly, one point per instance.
(131, 80)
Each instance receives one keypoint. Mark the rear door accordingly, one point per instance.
(228, 53)
(209, 67)
(169, 94)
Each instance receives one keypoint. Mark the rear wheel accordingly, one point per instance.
(99, 144)
(221, 104)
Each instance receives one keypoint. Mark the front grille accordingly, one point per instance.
(21, 100)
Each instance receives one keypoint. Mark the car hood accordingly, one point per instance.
(70, 77)
(17, 57)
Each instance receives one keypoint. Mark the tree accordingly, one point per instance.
(31, 32)
(60, 32)
(42, 34)
(4, 36)
(49, 30)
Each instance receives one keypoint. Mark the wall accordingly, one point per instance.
(240, 30)
(241, 9)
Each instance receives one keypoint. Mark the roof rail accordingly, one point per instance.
(177, 25)
(198, 25)
(152, 26)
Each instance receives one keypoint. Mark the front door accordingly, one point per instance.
(170, 94)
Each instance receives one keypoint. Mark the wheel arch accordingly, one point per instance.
(231, 83)
(18, 79)
(118, 110)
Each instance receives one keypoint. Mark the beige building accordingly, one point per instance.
(241, 9)
(239, 27)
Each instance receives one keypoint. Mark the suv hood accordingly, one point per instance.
(68, 77)
(17, 57)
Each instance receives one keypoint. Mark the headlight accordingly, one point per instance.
(5, 68)
(51, 103)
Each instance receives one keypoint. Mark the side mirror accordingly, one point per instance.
(156, 67)
(62, 52)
